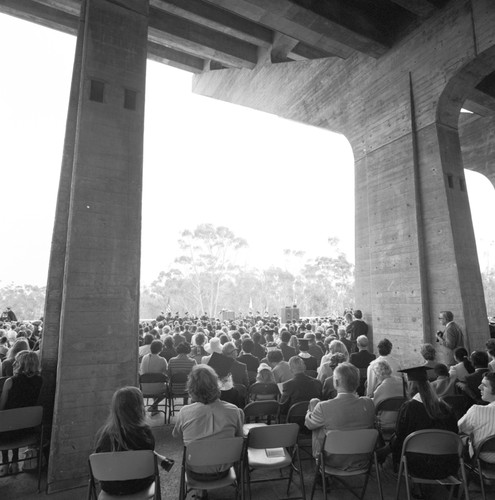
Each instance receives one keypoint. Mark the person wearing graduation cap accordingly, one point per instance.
(423, 411)
(310, 361)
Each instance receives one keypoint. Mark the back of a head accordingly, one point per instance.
(148, 338)
(347, 376)
(275, 356)
(202, 384)
(362, 342)
(297, 365)
(27, 363)
(247, 346)
(358, 314)
(285, 336)
(20, 345)
(384, 347)
(441, 370)
(183, 348)
(479, 359)
(428, 352)
(382, 369)
(127, 407)
(156, 347)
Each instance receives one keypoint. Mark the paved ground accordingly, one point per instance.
(23, 486)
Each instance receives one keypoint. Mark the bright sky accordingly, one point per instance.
(276, 183)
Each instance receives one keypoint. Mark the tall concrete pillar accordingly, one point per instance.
(96, 243)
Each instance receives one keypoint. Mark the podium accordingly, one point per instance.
(288, 314)
(227, 315)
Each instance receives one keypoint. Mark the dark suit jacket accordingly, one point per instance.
(473, 381)
(239, 373)
(362, 359)
(300, 388)
(287, 351)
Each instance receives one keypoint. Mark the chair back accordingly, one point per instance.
(261, 409)
(352, 442)
(262, 389)
(211, 452)
(486, 446)
(21, 418)
(153, 383)
(390, 404)
(123, 465)
(273, 436)
(297, 410)
(433, 442)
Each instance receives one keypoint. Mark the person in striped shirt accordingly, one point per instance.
(479, 421)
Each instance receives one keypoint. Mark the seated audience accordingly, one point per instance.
(198, 349)
(207, 417)
(444, 385)
(280, 368)
(126, 429)
(361, 360)
(473, 381)
(384, 349)
(300, 388)
(168, 351)
(154, 363)
(310, 361)
(19, 391)
(145, 348)
(265, 387)
(214, 345)
(7, 368)
(463, 366)
(423, 411)
(238, 369)
(429, 354)
(329, 391)
(313, 349)
(479, 421)
(346, 411)
(287, 351)
(251, 361)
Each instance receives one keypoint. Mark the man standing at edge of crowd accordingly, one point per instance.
(450, 339)
(356, 328)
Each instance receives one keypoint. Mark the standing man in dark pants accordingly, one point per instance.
(356, 328)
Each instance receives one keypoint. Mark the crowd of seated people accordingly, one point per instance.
(311, 361)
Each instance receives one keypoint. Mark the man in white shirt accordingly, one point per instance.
(479, 421)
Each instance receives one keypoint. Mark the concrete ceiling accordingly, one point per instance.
(207, 35)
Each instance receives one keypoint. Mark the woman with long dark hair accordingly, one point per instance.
(423, 411)
(126, 429)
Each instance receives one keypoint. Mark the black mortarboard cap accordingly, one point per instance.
(221, 364)
(303, 344)
(416, 373)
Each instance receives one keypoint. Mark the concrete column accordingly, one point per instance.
(97, 341)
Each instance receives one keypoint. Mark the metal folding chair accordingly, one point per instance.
(388, 408)
(262, 412)
(29, 417)
(124, 466)
(261, 391)
(154, 386)
(296, 415)
(177, 389)
(273, 447)
(346, 454)
(484, 468)
(437, 443)
(211, 453)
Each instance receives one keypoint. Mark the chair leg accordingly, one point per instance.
(406, 477)
(301, 478)
(313, 486)
(482, 483)
(399, 480)
(464, 480)
(323, 480)
(378, 480)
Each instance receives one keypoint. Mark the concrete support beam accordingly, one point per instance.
(296, 21)
(101, 259)
(217, 19)
(181, 34)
